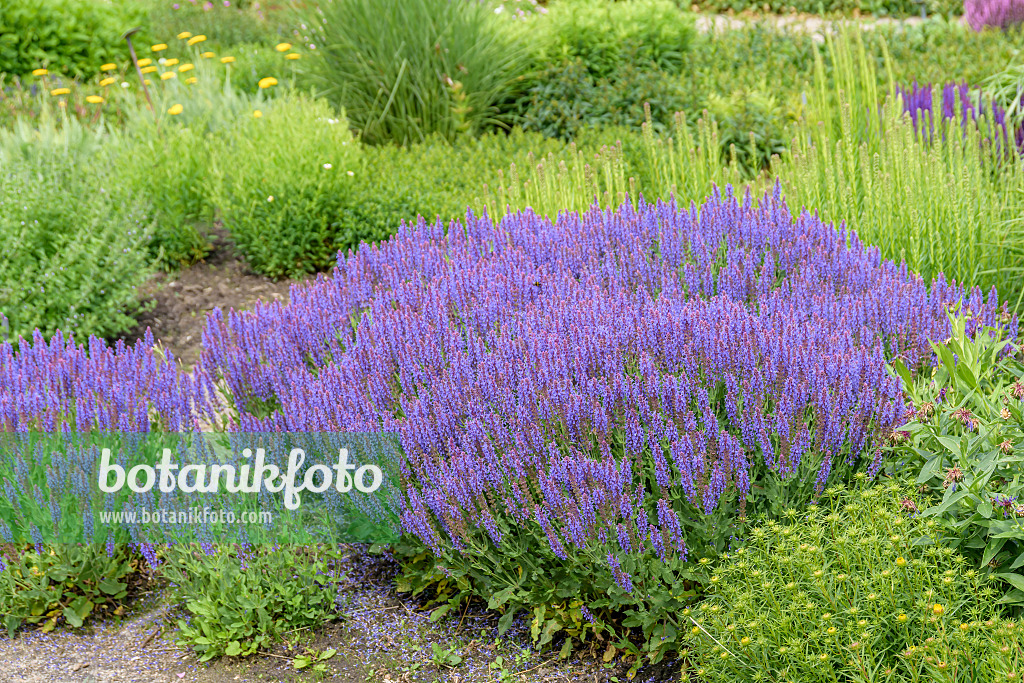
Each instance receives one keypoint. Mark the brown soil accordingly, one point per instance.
(178, 302)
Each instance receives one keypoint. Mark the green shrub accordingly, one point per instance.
(964, 444)
(69, 37)
(64, 583)
(282, 183)
(604, 35)
(567, 98)
(242, 600)
(751, 125)
(855, 589)
(405, 69)
(73, 245)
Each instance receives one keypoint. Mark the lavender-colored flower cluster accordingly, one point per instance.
(993, 13)
(60, 386)
(602, 378)
(919, 100)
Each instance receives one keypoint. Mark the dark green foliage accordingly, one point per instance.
(751, 125)
(567, 98)
(68, 37)
(65, 583)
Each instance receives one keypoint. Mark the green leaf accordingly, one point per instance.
(1012, 578)
(505, 622)
(73, 617)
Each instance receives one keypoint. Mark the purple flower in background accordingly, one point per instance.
(993, 13)
(958, 102)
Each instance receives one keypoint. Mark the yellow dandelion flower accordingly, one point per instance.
(148, 69)
(283, 47)
(183, 35)
(94, 99)
(902, 618)
(938, 609)
(226, 60)
(267, 82)
(39, 72)
(159, 47)
(170, 62)
(108, 81)
(175, 109)
(292, 55)
(60, 91)
(148, 82)
(186, 67)
(145, 61)
(191, 80)
(108, 67)
(168, 75)
(257, 114)
(196, 39)
(208, 55)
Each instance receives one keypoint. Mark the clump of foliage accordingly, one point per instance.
(604, 62)
(69, 37)
(965, 442)
(73, 264)
(241, 600)
(567, 98)
(603, 35)
(854, 587)
(68, 583)
(282, 195)
(751, 126)
(406, 69)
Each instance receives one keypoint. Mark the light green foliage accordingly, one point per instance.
(605, 34)
(282, 182)
(69, 37)
(856, 588)
(72, 264)
(406, 69)
(941, 202)
(1006, 88)
(896, 8)
(224, 27)
(64, 584)
(243, 600)
(965, 445)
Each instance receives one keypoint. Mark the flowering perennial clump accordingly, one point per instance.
(606, 379)
(994, 13)
(60, 386)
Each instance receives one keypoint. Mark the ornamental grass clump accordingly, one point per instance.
(587, 404)
(854, 588)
